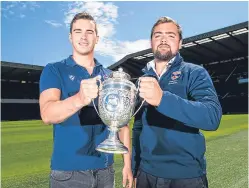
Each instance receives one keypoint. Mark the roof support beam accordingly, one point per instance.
(231, 72)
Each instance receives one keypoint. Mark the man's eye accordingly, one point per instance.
(172, 36)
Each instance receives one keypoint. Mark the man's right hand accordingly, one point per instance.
(88, 90)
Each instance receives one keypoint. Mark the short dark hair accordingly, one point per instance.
(166, 19)
(84, 16)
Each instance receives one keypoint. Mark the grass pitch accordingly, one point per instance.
(27, 146)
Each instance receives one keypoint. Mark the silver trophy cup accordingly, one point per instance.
(116, 104)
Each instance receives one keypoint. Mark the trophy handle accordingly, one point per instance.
(142, 101)
(100, 83)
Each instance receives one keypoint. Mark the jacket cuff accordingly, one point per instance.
(134, 173)
(161, 105)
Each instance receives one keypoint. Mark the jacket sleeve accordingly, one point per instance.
(136, 131)
(202, 110)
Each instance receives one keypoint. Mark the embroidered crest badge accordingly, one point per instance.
(175, 75)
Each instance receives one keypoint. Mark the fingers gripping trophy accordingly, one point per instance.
(116, 104)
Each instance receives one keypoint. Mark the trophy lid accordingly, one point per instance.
(120, 74)
(119, 79)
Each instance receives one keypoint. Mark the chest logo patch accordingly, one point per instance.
(71, 77)
(174, 76)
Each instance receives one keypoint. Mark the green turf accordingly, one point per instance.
(27, 146)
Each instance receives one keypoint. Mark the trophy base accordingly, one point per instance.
(109, 146)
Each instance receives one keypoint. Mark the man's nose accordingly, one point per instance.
(164, 40)
(83, 36)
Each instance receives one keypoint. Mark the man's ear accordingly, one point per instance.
(180, 44)
(70, 37)
(97, 40)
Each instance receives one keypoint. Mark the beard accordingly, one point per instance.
(163, 56)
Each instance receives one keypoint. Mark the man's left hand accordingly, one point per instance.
(150, 90)
(127, 175)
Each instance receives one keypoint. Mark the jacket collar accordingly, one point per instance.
(148, 70)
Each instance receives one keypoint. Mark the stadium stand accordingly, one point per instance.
(223, 52)
(19, 91)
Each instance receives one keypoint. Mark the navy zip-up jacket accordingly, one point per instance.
(167, 142)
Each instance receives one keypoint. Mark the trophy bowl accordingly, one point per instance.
(116, 104)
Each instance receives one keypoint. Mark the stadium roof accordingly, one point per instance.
(18, 71)
(226, 44)
(222, 45)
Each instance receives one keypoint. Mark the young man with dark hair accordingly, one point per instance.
(67, 89)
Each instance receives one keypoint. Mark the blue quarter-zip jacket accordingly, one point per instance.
(167, 142)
